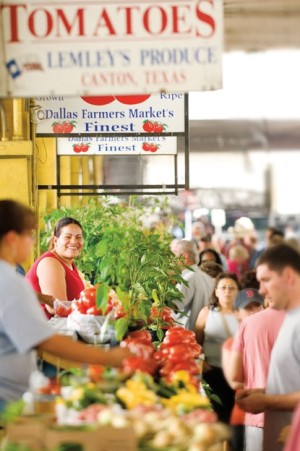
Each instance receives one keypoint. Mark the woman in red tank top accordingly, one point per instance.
(55, 272)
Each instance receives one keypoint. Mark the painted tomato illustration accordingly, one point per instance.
(146, 146)
(57, 127)
(153, 147)
(133, 100)
(77, 147)
(81, 147)
(158, 127)
(125, 99)
(68, 126)
(98, 100)
(84, 147)
(148, 126)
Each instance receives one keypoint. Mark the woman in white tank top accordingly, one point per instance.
(215, 323)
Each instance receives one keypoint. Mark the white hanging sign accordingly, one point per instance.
(155, 114)
(117, 145)
(66, 47)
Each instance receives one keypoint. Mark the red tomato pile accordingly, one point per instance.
(140, 344)
(178, 351)
(86, 304)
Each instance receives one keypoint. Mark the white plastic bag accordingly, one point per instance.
(89, 327)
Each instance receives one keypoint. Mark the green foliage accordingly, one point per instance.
(12, 411)
(122, 253)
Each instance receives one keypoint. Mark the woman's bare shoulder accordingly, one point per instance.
(50, 263)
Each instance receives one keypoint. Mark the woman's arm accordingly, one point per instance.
(200, 324)
(52, 278)
(66, 348)
(227, 368)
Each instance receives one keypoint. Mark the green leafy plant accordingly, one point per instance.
(123, 253)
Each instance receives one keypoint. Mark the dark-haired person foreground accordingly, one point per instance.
(55, 272)
(23, 326)
(278, 271)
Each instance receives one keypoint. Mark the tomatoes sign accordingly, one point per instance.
(97, 48)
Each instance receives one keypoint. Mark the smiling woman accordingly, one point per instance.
(55, 272)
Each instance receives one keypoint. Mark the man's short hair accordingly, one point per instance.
(280, 256)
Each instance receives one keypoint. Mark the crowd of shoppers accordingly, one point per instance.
(251, 361)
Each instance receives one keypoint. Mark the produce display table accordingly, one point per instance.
(58, 362)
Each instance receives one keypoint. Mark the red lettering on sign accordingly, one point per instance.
(105, 21)
(94, 21)
(206, 18)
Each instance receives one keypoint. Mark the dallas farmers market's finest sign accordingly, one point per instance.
(155, 114)
(66, 47)
(117, 145)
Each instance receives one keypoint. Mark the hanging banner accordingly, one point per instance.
(66, 47)
(157, 114)
(117, 145)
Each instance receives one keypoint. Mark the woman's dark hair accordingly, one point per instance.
(211, 268)
(15, 216)
(248, 280)
(214, 302)
(210, 251)
(63, 222)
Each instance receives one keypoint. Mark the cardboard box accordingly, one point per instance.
(40, 435)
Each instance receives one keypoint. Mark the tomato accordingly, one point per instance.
(79, 306)
(160, 357)
(132, 100)
(57, 127)
(146, 146)
(196, 349)
(84, 147)
(189, 365)
(98, 100)
(153, 147)
(158, 128)
(110, 305)
(77, 148)
(67, 127)
(171, 367)
(94, 311)
(119, 312)
(63, 311)
(132, 364)
(148, 126)
(54, 390)
(181, 331)
(179, 353)
(140, 349)
(88, 297)
(142, 336)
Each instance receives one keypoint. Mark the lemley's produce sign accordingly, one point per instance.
(66, 47)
